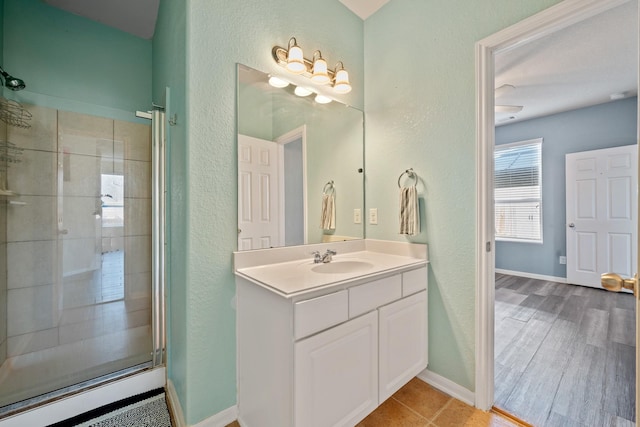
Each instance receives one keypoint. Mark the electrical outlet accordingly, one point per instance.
(373, 216)
(357, 216)
(563, 259)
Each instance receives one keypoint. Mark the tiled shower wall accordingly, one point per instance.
(54, 236)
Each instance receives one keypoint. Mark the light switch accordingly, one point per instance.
(357, 216)
(373, 216)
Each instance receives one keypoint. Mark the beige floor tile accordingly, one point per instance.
(422, 398)
(393, 414)
(459, 414)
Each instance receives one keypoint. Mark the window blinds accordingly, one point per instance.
(518, 191)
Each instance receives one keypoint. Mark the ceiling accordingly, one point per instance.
(364, 8)
(579, 66)
(582, 65)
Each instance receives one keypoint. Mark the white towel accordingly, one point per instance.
(409, 211)
(328, 216)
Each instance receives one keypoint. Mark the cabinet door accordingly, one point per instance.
(403, 342)
(336, 374)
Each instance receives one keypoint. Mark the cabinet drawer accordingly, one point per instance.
(414, 281)
(320, 313)
(372, 295)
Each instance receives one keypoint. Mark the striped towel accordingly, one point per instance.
(328, 216)
(409, 212)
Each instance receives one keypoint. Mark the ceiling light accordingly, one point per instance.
(341, 84)
(302, 91)
(295, 60)
(321, 99)
(278, 82)
(320, 74)
(316, 70)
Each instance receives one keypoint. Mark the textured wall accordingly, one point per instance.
(169, 71)
(602, 126)
(67, 57)
(219, 35)
(420, 113)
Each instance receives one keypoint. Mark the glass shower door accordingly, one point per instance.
(78, 254)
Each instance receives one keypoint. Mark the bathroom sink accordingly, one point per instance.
(342, 266)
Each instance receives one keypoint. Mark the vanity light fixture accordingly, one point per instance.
(293, 60)
(341, 84)
(320, 74)
(321, 99)
(278, 82)
(302, 91)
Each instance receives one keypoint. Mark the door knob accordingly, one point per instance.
(614, 282)
(572, 225)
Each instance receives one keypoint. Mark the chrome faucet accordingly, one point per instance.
(327, 256)
(317, 258)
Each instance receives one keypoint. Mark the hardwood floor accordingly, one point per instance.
(564, 354)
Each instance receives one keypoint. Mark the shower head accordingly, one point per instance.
(11, 82)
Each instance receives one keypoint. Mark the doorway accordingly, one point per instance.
(545, 23)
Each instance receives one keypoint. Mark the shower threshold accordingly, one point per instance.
(27, 404)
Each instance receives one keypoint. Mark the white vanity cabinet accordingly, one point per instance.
(330, 357)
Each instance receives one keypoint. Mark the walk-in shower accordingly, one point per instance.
(78, 217)
(11, 82)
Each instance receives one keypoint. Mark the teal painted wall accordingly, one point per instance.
(169, 71)
(602, 126)
(219, 35)
(420, 113)
(1, 33)
(73, 63)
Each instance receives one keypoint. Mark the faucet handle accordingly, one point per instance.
(317, 258)
(332, 252)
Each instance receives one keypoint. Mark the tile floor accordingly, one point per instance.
(418, 404)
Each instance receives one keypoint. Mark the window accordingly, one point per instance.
(518, 191)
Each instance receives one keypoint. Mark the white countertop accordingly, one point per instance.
(292, 278)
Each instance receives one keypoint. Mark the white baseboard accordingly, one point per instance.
(221, 419)
(174, 405)
(448, 386)
(532, 275)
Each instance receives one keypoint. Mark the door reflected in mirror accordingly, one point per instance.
(300, 166)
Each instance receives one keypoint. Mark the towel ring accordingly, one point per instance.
(330, 187)
(411, 174)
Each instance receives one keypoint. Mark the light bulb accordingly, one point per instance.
(342, 84)
(321, 99)
(301, 91)
(278, 82)
(295, 60)
(320, 74)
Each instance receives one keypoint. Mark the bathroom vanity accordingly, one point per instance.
(323, 344)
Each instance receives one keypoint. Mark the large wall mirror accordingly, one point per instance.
(300, 166)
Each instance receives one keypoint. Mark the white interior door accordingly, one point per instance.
(602, 212)
(258, 198)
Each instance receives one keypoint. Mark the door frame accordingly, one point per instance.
(555, 18)
(286, 138)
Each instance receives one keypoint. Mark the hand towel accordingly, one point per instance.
(409, 211)
(328, 216)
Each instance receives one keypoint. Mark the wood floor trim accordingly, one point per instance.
(510, 417)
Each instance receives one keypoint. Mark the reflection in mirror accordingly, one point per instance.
(289, 149)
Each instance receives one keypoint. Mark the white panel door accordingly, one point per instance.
(403, 342)
(336, 374)
(602, 212)
(258, 194)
